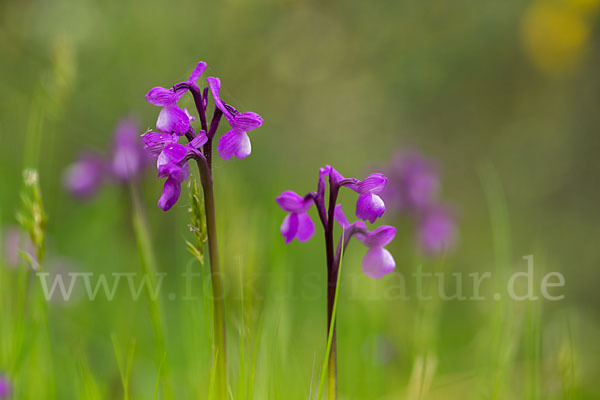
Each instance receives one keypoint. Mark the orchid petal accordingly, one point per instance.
(234, 143)
(160, 96)
(369, 207)
(170, 195)
(292, 202)
(380, 237)
(173, 119)
(177, 172)
(199, 140)
(215, 87)
(340, 217)
(289, 227)
(374, 183)
(247, 121)
(377, 263)
(156, 142)
(198, 71)
(173, 154)
(306, 227)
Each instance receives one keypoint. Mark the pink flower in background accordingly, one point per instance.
(5, 389)
(436, 231)
(127, 162)
(85, 176)
(413, 190)
(413, 182)
(16, 242)
(128, 158)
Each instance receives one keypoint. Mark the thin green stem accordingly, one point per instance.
(150, 269)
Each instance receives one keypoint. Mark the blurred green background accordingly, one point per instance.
(504, 95)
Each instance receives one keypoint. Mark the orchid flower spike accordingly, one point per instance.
(84, 177)
(173, 122)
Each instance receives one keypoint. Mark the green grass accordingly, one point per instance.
(275, 335)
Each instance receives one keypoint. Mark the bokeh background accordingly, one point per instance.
(503, 95)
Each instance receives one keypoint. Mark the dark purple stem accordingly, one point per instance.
(198, 101)
(332, 275)
(214, 125)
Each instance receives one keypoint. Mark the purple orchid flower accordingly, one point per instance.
(171, 118)
(370, 206)
(378, 261)
(172, 164)
(297, 224)
(84, 177)
(236, 142)
(5, 389)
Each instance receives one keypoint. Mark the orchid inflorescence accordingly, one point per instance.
(172, 163)
(174, 122)
(369, 207)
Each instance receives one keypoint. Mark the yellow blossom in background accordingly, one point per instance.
(555, 33)
(585, 6)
